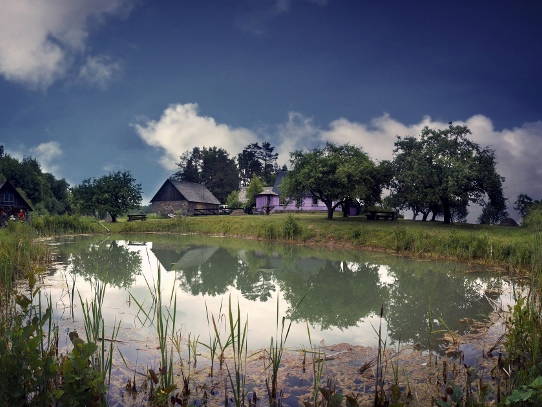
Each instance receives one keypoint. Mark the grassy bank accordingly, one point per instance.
(497, 245)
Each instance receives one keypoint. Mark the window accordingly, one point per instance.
(314, 201)
(8, 196)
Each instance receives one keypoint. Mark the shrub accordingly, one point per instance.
(290, 228)
(533, 220)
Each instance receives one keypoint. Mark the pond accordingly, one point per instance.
(337, 293)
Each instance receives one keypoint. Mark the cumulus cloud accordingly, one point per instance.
(181, 127)
(47, 154)
(99, 70)
(518, 150)
(40, 39)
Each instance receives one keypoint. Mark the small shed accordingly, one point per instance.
(186, 198)
(266, 200)
(12, 200)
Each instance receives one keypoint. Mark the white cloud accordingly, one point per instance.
(46, 154)
(40, 39)
(99, 70)
(181, 127)
(518, 150)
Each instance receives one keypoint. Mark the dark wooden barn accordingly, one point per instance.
(185, 198)
(12, 200)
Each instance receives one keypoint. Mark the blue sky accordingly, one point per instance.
(90, 86)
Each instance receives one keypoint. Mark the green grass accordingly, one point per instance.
(46, 225)
(496, 245)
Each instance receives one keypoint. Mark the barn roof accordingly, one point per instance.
(19, 192)
(193, 192)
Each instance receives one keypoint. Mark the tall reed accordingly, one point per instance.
(164, 321)
(94, 325)
(239, 345)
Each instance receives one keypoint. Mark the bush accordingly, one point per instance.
(290, 228)
(533, 220)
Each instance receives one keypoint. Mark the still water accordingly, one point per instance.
(339, 292)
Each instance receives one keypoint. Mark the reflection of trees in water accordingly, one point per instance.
(211, 276)
(336, 293)
(106, 261)
(420, 294)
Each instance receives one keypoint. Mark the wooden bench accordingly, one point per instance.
(137, 217)
(374, 214)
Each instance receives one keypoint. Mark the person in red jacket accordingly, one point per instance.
(21, 215)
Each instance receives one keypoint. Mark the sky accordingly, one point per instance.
(93, 86)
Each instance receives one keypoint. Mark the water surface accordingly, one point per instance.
(338, 292)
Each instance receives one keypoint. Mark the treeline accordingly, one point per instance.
(222, 174)
(111, 194)
(47, 193)
(437, 174)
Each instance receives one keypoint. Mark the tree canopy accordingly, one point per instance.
(47, 193)
(335, 175)
(443, 171)
(115, 194)
(211, 167)
(524, 203)
(258, 161)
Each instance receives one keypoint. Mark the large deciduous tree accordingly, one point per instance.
(211, 167)
(334, 175)
(443, 171)
(115, 194)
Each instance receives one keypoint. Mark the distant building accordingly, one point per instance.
(185, 198)
(12, 200)
(269, 200)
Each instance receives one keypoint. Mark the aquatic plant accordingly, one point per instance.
(275, 353)
(94, 325)
(239, 344)
(164, 322)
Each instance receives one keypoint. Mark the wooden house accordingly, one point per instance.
(184, 198)
(13, 200)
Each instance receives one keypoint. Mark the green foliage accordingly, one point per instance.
(258, 161)
(527, 395)
(334, 175)
(524, 203)
(115, 194)
(533, 219)
(47, 225)
(211, 167)
(254, 188)
(233, 200)
(81, 385)
(47, 194)
(442, 171)
(27, 355)
(291, 228)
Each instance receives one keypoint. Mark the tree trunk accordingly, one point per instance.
(425, 215)
(330, 210)
(345, 208)
(414, 215)
(446, 210)
(433, 216)
(113, 218)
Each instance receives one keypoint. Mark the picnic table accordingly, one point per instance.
(137, 216)
(376, 214)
